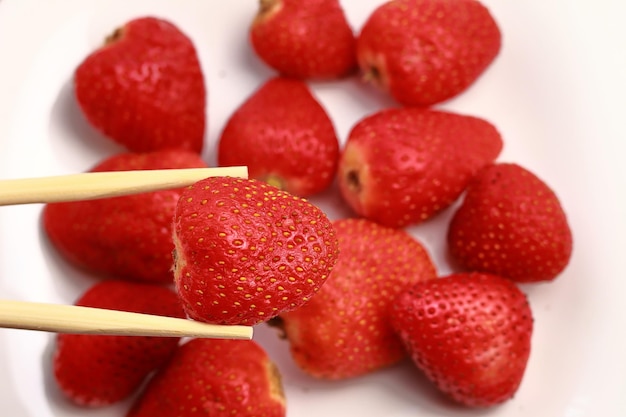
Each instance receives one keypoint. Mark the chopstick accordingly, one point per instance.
(59, 318)
(92, 185)
(89, 320)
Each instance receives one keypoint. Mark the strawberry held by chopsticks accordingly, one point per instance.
(246, 251)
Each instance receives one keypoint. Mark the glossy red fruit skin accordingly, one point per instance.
(306, 39)
(424, 52)
(145, 88)
(284, 136)
(469, 333)
(402, 166)
(97, 370)
(127, 237)
(344, 331)
(247, 251)
(511, 223)
(214, 377)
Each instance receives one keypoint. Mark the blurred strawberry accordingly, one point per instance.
(95, 370)
(469, 333)
(127, 237)
(402, 166)
(145, 88)
(304, 38)
(211, 377)
(511, 224)
(426, 51)
(284, 136)
(344, 331)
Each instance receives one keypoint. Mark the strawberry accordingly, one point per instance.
(127, 237)
(96, 370)
(344, 331)
(402, 166)
(282, 118)
(247, 251)
(145, 88)
(308, 39)
(212, 377)
(426, 51)
(469, 333)
(511, 224)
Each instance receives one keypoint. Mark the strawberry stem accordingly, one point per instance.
(266, 6)
(353, 180)
(114, 37)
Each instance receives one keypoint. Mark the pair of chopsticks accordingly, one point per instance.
(88, 320)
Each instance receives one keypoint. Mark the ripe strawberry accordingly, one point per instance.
(126, 237)
(95, 370)
(426, 51)
(247, 251)
(344, 331)
(145, 88)
(212, 377)
(511, 224)
(469, 333)
(402, 166)
(304, 38)
(282, 118)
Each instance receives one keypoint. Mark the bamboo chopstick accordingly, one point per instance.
(92, 185)
(61, 318)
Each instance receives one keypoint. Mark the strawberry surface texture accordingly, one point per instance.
(469, 333)
(99, 370)
(306, 39)
(511, 223)
(128, 237)
(284, 136)
(145, 88)
(345, 330)
(423, 52)
(247, 251)
(401, 166)
(210, 377)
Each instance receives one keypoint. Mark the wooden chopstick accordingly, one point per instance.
(92, 185)
(61, 318)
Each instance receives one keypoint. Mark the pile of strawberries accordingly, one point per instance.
(351, 296)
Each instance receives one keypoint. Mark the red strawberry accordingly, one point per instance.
(402, 166)
(426, 51)
(247, 251)
(511, 224)
(94, 370)
(304, 38)
(145, 88)
(344, 331)
(469, 333)
(211, 377)
(126, 237)
(284, 136)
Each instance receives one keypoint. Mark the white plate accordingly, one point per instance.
(556, 92)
